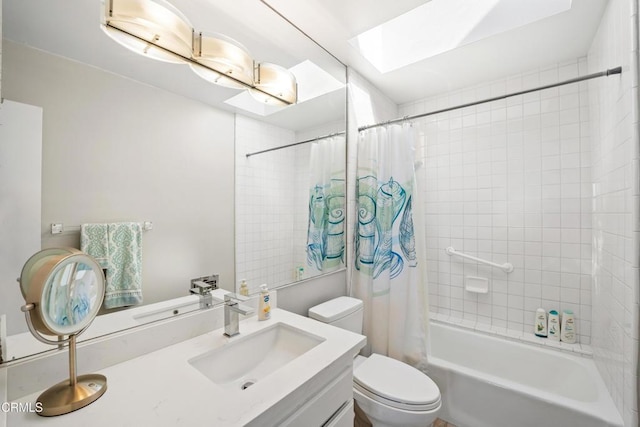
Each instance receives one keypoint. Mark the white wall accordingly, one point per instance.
(509, 181)
(0, 48)
(117, 150)
(616, 221)
(20, 189)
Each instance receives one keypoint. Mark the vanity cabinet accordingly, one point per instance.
(329, 406)
(344, 417)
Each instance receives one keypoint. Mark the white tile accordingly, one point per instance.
(509, 183)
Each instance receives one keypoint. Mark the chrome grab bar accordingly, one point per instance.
(506, 267)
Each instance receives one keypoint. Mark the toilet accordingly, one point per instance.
(389, 392)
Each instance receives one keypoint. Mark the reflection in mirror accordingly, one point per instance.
(290, 222)
(70, 296)
(126, 138)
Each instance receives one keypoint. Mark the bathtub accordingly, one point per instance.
(487, 381)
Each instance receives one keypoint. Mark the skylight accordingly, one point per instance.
(439, 26)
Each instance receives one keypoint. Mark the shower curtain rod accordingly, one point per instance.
(616, 70)
(295, 143)
(610, 71)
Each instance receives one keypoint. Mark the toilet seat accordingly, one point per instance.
(396, 384)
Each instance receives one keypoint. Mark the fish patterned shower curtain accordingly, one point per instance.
(388, 273)
(325, 231)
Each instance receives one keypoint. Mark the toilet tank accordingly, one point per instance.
(343, 312)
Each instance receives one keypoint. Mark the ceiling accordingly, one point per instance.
(72, 31)
(332, 23)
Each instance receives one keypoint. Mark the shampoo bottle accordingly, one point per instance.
(244, 289)
(264, 306)
(568, 327)
(554, 326)
(541, 323)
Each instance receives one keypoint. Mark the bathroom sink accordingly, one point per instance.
(248, 359)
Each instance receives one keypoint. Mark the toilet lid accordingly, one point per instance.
(396, 384)
(335, 309)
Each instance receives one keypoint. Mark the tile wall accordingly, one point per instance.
(264, 212)
(616, 225)
(510, 181)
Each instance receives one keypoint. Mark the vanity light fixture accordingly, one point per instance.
(152, 28)
(225, 61)
(275, 85)
(156, 29)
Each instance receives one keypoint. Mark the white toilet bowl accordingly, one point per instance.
(389, 392)
(392, 393)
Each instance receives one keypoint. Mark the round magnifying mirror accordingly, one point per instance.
(63, 289)
(35, 262)
(67, 290)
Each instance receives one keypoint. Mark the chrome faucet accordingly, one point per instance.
(203, 286)
(231, 310)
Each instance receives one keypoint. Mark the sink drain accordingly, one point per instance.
(245, 385)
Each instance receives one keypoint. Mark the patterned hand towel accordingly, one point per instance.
(94, 241)
(121, 254)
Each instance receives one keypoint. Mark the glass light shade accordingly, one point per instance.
(276, 84)
(152, 28)
(227, 62)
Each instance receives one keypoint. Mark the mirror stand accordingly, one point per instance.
(74, 393)
(63, 290)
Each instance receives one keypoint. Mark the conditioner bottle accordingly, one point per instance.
(554, 326)
(541, 323)
(568, 327)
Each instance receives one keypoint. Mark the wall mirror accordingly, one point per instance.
(129, 138)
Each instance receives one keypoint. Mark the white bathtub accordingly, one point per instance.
(487, 381)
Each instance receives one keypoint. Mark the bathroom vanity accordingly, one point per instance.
(289, 370)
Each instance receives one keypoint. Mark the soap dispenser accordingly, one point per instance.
(264, 306)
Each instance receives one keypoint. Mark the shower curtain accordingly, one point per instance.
(388, 272)
(325, 231)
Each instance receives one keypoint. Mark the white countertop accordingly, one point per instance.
(24, 344)
(163, 389)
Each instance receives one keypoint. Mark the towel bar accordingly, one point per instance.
(58, 228)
